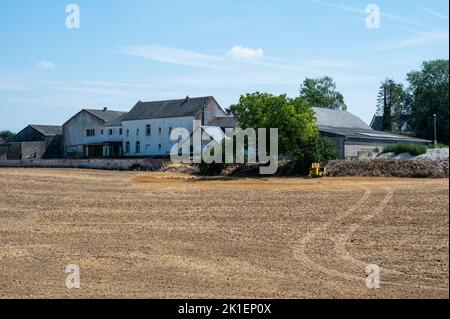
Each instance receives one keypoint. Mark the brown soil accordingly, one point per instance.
(169, 235)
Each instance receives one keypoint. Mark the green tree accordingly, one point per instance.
(298, 134)
(391, 104)
(322, 92)
(7, 135)
(428, 95)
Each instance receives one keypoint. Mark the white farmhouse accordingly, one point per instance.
(84, 134)
(147, 127)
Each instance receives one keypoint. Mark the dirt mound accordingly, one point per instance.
(389, 168)
(180, 168)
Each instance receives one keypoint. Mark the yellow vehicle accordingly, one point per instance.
(317, 170)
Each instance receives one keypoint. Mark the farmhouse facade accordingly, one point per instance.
(146, 129)
(143, 131)
(84, 134)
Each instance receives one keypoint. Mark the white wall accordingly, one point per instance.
(150, 144)
(74, 131)
(115, 136)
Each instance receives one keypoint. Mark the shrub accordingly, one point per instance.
(413, 149)
(212, 169)
(316, 149)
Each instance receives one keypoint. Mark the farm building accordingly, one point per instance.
(36, 142)
(84, 134)
(147, 127)
(352, 136)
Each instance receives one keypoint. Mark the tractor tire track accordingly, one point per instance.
(301, 255)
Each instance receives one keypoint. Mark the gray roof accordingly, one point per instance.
(344, 123)
(377, 122)
(105, 115)
(1, 141)
(169, 108)
(48, 130)
(224, 121)
(334, 118)
(117, 121)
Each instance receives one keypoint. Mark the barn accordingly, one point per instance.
(352, 136)
(36, 142)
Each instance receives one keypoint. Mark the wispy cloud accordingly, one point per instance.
(236, 60)
(436, 14)
(420, 38)
(45, 66)
(347, 8)
(174, 56)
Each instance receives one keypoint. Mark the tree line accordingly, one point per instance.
(426, 94)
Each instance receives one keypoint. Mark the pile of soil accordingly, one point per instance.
(181, 168)
(389, 168)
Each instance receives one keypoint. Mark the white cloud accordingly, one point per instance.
(238, 52)
(45, 66)
(436, 14)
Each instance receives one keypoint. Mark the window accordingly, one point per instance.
(120, 131)
(101, 132)
(137, 132)
(138, 147)
(90, 132)
(148, 130)
(127, 147)
(128, 132)
(160, 130)
(159, 146)
(170, 131)
(110, 132)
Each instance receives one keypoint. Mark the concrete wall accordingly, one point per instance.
(134, 131)
(113, 164)
(34, 150)
(74, 133)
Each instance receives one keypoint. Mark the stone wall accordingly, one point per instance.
(111, 164)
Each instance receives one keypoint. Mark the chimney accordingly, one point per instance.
(185, 100)
(105, 109)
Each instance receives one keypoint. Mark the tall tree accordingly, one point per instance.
(391, 104)
(298, 134)
(322, 92)
(428, 95)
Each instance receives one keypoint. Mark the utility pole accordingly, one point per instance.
(435, 130)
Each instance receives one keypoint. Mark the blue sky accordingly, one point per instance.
(130, 50)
